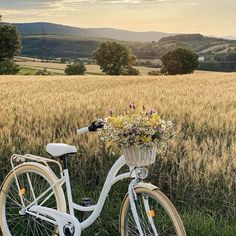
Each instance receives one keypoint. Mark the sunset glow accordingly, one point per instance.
(209, 17)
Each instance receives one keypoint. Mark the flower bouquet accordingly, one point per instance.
(138, 132)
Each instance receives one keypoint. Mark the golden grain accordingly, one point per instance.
(38, 110)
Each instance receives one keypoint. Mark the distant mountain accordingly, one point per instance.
(117, 34)
(72, 46)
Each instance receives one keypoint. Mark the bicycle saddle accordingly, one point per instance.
(60, 149)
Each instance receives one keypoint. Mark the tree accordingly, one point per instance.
(179, 61)
(113, 57)
(10, 42)
(76, 69)
(10, 46)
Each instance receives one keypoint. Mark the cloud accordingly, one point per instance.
(16, 4)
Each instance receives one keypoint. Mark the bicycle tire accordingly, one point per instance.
(126, 221)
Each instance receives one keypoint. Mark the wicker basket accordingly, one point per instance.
(140, 156)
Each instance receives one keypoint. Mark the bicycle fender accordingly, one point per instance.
(46, 169)
(146, 185)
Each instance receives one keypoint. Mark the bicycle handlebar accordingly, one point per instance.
(97, 124)
(82, 130)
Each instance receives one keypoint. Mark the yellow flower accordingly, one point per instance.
(146, 139)
(116, 121)
(155, 116)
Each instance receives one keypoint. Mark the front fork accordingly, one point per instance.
(133, 201)
(133, 198)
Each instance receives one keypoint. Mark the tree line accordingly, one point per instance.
(112, 57)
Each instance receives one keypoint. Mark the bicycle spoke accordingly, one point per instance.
(162, 224)
(32, 186)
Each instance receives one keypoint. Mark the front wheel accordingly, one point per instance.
(157, 215)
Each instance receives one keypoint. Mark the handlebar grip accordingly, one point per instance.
(97, 124)
(82, 130)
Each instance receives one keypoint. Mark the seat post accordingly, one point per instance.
(64, 162)
(68, 186)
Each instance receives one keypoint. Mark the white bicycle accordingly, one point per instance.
(32, 201)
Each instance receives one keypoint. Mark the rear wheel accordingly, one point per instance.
(33, 180)
(157, 215)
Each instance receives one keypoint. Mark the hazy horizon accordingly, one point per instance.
(215, 18)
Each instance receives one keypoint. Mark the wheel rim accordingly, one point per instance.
(162, 222)
(27, 225)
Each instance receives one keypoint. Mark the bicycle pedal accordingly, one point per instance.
(86, 202)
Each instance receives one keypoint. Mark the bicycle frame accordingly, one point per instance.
(61, 218)
(111, 179)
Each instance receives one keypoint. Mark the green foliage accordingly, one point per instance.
(10, 45)
(43, 72)
(63, 60)
(179, 61)
(76, 69)
(226, 66)
(154, 72)
(8, 67)
(113, 58)
(226, 57)
(130, 70)
(59, 46)
(27, 71)
(200, 223)
(10, 42)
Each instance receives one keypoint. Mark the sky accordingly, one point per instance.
(209, 17)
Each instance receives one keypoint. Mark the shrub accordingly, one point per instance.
(43, 72)
(129, 70)
(154, 72)
(8, 67)
(76, 69)
(63, 60)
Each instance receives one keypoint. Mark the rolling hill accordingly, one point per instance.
(46, 40)
(81, 46)
(205, 46)
(123, 35)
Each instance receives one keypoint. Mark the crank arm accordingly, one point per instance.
(55, 217)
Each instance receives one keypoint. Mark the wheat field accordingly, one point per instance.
(198, 170)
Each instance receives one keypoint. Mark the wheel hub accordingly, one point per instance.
(69, 230)
(22, 212)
